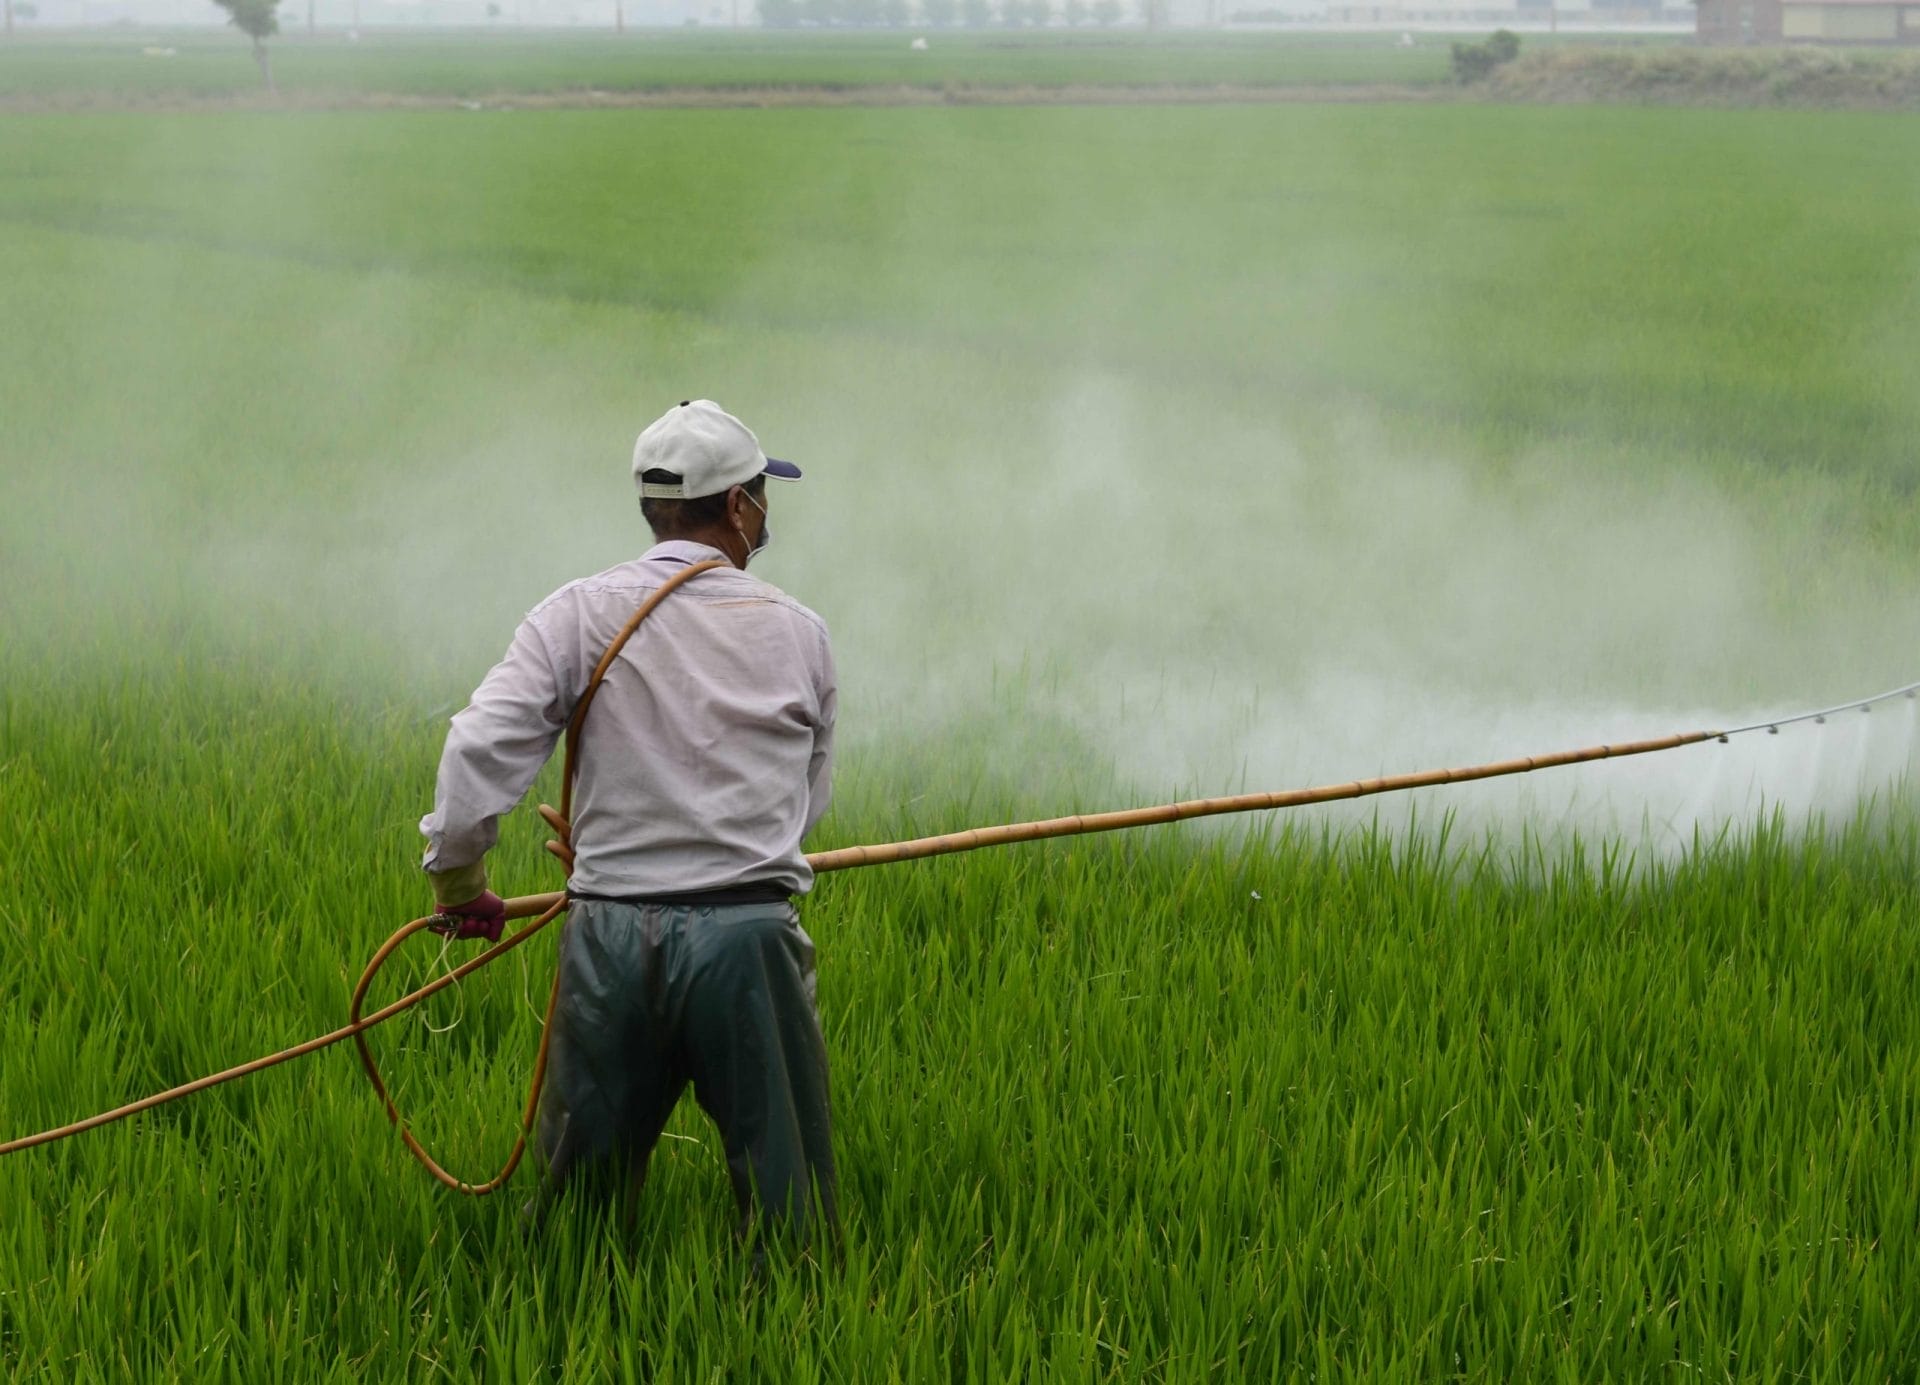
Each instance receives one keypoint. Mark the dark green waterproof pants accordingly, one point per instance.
(654, 997)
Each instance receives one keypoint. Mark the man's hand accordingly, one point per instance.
(480, 917)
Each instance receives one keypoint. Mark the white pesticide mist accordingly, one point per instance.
(1246, 615)
(1197, 573)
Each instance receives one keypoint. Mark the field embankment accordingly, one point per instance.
(1675, 76)
(729, 98)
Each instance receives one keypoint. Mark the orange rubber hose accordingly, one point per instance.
(561, 821)
(356, 1028)
(359, 1032)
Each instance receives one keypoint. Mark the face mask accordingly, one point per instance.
(766, 530)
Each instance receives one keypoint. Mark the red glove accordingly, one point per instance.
(480, 917)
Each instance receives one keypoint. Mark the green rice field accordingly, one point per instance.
(1150, 451)
(118, 67)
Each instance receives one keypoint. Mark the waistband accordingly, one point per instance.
(753, 892)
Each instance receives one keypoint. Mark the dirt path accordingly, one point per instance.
(725, 98)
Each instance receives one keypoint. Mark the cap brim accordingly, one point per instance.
(782, 471)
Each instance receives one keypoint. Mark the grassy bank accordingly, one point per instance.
(1820, 78)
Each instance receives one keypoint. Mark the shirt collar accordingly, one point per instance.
(682, 551)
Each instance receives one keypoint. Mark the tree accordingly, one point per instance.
(977, 14)
(1106, 13)
(1074, 12)
(1475, 62)
(897, 13)
(780, 14)
(940, 13)
(259, 20)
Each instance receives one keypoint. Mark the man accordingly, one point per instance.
(704, 760)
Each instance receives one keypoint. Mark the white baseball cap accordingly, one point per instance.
(707, 448)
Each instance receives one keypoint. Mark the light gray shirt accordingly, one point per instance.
(707, 753)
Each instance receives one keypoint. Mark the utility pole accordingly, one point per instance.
(9, 8)
(619, 18)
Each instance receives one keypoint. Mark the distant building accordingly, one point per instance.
(1851, 21)
(1808, 21)
(1589, 15)
(1737, 21)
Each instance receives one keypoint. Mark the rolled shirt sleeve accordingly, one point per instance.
(495, 748)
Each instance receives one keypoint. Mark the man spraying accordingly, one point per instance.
(704, 761)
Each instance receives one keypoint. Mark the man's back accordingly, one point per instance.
(706, 757)
(708, 752)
